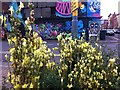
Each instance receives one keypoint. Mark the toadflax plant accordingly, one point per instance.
(83, 66)
(29, 55)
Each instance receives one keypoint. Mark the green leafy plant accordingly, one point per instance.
(50, 79)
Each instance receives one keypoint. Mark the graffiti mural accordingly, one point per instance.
(68, 25)
(80, 28)
(63, 9)
(82, 8)
(93, 8)
(94, 27)
(50, 30)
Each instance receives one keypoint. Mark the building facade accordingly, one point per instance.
(119, 13)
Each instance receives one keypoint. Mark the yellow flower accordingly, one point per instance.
(97, 57)
(1, 17)
(112, 60)
(85, 50)
(40, 40)
(59, 37)
(37, 78)
(90, 79)
(114, 70)
(62, 80)
(17, 86)
(78, 63)
(11, 10)
(100, 76)
(94, 64)
(12, 50)
(53, 63)
(13, 81)
(14, 39)
(29, 27)
(35, 34)
(21, 5)
(69, 85)
(55, 48)
(69, 75)
(33, 60)
(71, 79)
(103, 72)
(41, 64)
(89, 70)
(89, 86)
(118, 78)
(31, 85)
(24, 86)
(11, 59)
(49, 50)
(5, 19)
(110, 83)
(9, 41)
(96, 44)
(72, 72)
(24, 44)
(26, 22)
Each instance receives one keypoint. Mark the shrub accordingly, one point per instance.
(85, 67)
(29, 54)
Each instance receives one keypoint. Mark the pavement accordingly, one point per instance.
(110, 42)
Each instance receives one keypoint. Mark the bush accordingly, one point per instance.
(29, 54)
(85, 67)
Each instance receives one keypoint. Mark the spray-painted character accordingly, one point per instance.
(80, 28)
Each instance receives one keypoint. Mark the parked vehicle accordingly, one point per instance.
(110, 32)
(117, 31)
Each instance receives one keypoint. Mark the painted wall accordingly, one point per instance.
(63, 9)
(50, 30)
(93, 8)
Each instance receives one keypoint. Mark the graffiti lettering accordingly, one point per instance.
(64, 8)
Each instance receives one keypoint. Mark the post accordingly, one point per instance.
(74, 10)
(119, 30)
(118, 45)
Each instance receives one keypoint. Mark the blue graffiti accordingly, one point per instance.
(19, 15)
(84, 9)
(93, 8)
(68, 25)
(80, 28)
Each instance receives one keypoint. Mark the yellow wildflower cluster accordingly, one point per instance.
(86, 67)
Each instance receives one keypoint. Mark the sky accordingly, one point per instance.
(108, 6)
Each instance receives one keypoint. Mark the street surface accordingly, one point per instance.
(110, 42)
